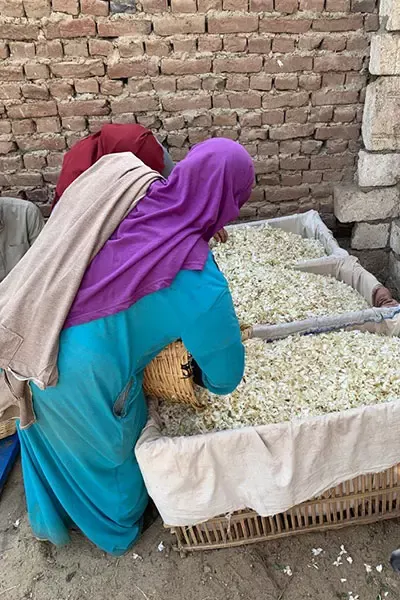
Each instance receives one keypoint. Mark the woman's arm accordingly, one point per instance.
(214, 340)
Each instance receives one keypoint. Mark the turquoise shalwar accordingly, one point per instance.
(78, 459)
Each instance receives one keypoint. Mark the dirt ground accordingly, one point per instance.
(279, 570)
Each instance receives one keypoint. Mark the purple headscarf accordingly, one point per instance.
(167, 231)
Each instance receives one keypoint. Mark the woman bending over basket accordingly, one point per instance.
(113, 138)
(154, 281)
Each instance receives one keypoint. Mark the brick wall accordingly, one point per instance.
(286, 78)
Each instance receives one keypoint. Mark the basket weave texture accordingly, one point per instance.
(7, 428)
(365, 499)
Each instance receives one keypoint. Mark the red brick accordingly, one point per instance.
(74, 124)
(61, 89)
(261, 82)
(4, 51)
(11, 73)
(284, 25)
(321, 114)
(183, 6)
(40, 142)
(289, 146)
(111, 88)
(51, 49)
(213, 83)
(288, 64)
(335, 146)
(332, 80)
(7, 147)
(273, 117)
(186, 46)
(250, 64)
(312, 5)
(24, 178)
(54, 160)
(119, 27)
(132, 68)
(96, 123)
(286, 6)
(10, 163)
(233, 43)
(164, 84)
(285, 99)
(296, 115)
(22, 49)
(300, 163)
(310, 82)
(171, 66)
(23, 127)
(325, 97)
(204, 6)
(371, 23)
(180, 103)
(261, 5)
(225, 119)
(282, 44)
(311, 41)
(157, 48)
(333, 43)
(86, 86)
(312, 177)
(324, 162)
(232, 24)
(51, 176)
(36, 71)
(311, 146)
(357, 43)
(172, 24)
(220, 101)
(344, 132)
(337, 62)
(72, 69)
(350, 23)
(97, 8)
(13, 31)
(345, 114)
(268, 148)
(237, 82)
(10, 91)
(154, 6)
(291, 179)
(286, 132)
(71, 28)
(140, 85)
(280, 194)
(134, 105)
(71, 7)
(76, 48)
(37, 9)
(32, 109)
(11, 8)
(286, 82)
(259, 45)
(270, 165)
(250, 100)
(5, 127)
(189, 82)
(337, 5)
(48, 125)
(34, 91)
(210, 43)
(364, 6)
(82, 108)
(100, 47)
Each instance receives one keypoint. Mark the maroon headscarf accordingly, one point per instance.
(109, 140)
(167, 231)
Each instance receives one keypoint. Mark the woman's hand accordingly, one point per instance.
(221, 236)
(383, 298)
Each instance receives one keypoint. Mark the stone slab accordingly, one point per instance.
(352, 204)
(370, 236)
(378, 170)
(385, 54)
(389, 12)
(381, 119)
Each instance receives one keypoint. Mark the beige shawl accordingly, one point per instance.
(36, 296)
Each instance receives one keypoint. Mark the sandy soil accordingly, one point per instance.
(31, 569)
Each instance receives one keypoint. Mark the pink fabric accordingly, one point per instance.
(167, 231)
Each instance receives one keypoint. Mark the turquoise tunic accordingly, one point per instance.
(78, 459)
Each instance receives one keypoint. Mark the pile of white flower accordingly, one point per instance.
(294, 378)
(258, 264)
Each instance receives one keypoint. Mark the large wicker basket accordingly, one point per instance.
(366, 499)
(7, 428)
(169, 376)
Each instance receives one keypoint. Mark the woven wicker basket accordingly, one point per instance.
(366, 499)
(169, 377)
(7, 428)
